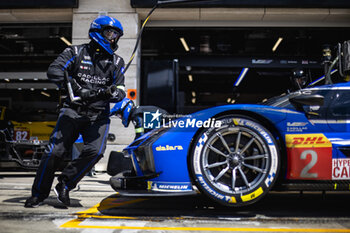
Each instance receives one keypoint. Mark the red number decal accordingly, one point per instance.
(20, 134)
(309, 157)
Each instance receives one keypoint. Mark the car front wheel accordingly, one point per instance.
(237, 163)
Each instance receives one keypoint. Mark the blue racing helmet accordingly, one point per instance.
(123, 109)
(106, 31)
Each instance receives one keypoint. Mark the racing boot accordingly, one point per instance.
(33, 202)
(62, 193)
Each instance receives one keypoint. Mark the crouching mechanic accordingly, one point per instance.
(128, 111)
(96, 76)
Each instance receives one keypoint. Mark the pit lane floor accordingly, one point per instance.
(97, 208)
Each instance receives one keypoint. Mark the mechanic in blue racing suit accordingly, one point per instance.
(96, 76)
(128, 112)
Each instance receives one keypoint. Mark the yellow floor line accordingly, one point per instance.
(110, 203)
(106, 217)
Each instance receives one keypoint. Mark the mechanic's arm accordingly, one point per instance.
(63, 62)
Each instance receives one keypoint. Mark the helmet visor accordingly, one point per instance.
(111, 34)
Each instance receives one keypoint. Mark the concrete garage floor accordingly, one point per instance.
(97, 208)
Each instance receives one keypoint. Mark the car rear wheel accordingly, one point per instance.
(235, 164)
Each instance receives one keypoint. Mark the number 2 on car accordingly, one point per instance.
(309, 157)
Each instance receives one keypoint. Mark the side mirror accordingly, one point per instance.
(308, 100)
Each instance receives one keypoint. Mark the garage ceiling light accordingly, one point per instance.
(45, 93)
(190, 78)
(7, 80)
(277, 44)
(241, 76)
(184, 44)
(65, 41)
(193, 94)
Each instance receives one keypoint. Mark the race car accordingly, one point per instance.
(22, 143)
(235, 154)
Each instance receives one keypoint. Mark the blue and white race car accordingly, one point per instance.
(236, 154)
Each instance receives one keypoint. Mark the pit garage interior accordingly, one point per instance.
(27, 50)
(215, 66)
(194, 67)
(211, 54)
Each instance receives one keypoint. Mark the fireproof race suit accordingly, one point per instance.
(92, 71)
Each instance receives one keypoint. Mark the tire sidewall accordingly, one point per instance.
(249, 196)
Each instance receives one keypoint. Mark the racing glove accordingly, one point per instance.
(110, 92)
(113, 91)
(99, 94)
(87, 94)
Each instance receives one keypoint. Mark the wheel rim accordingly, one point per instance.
(235, 160)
